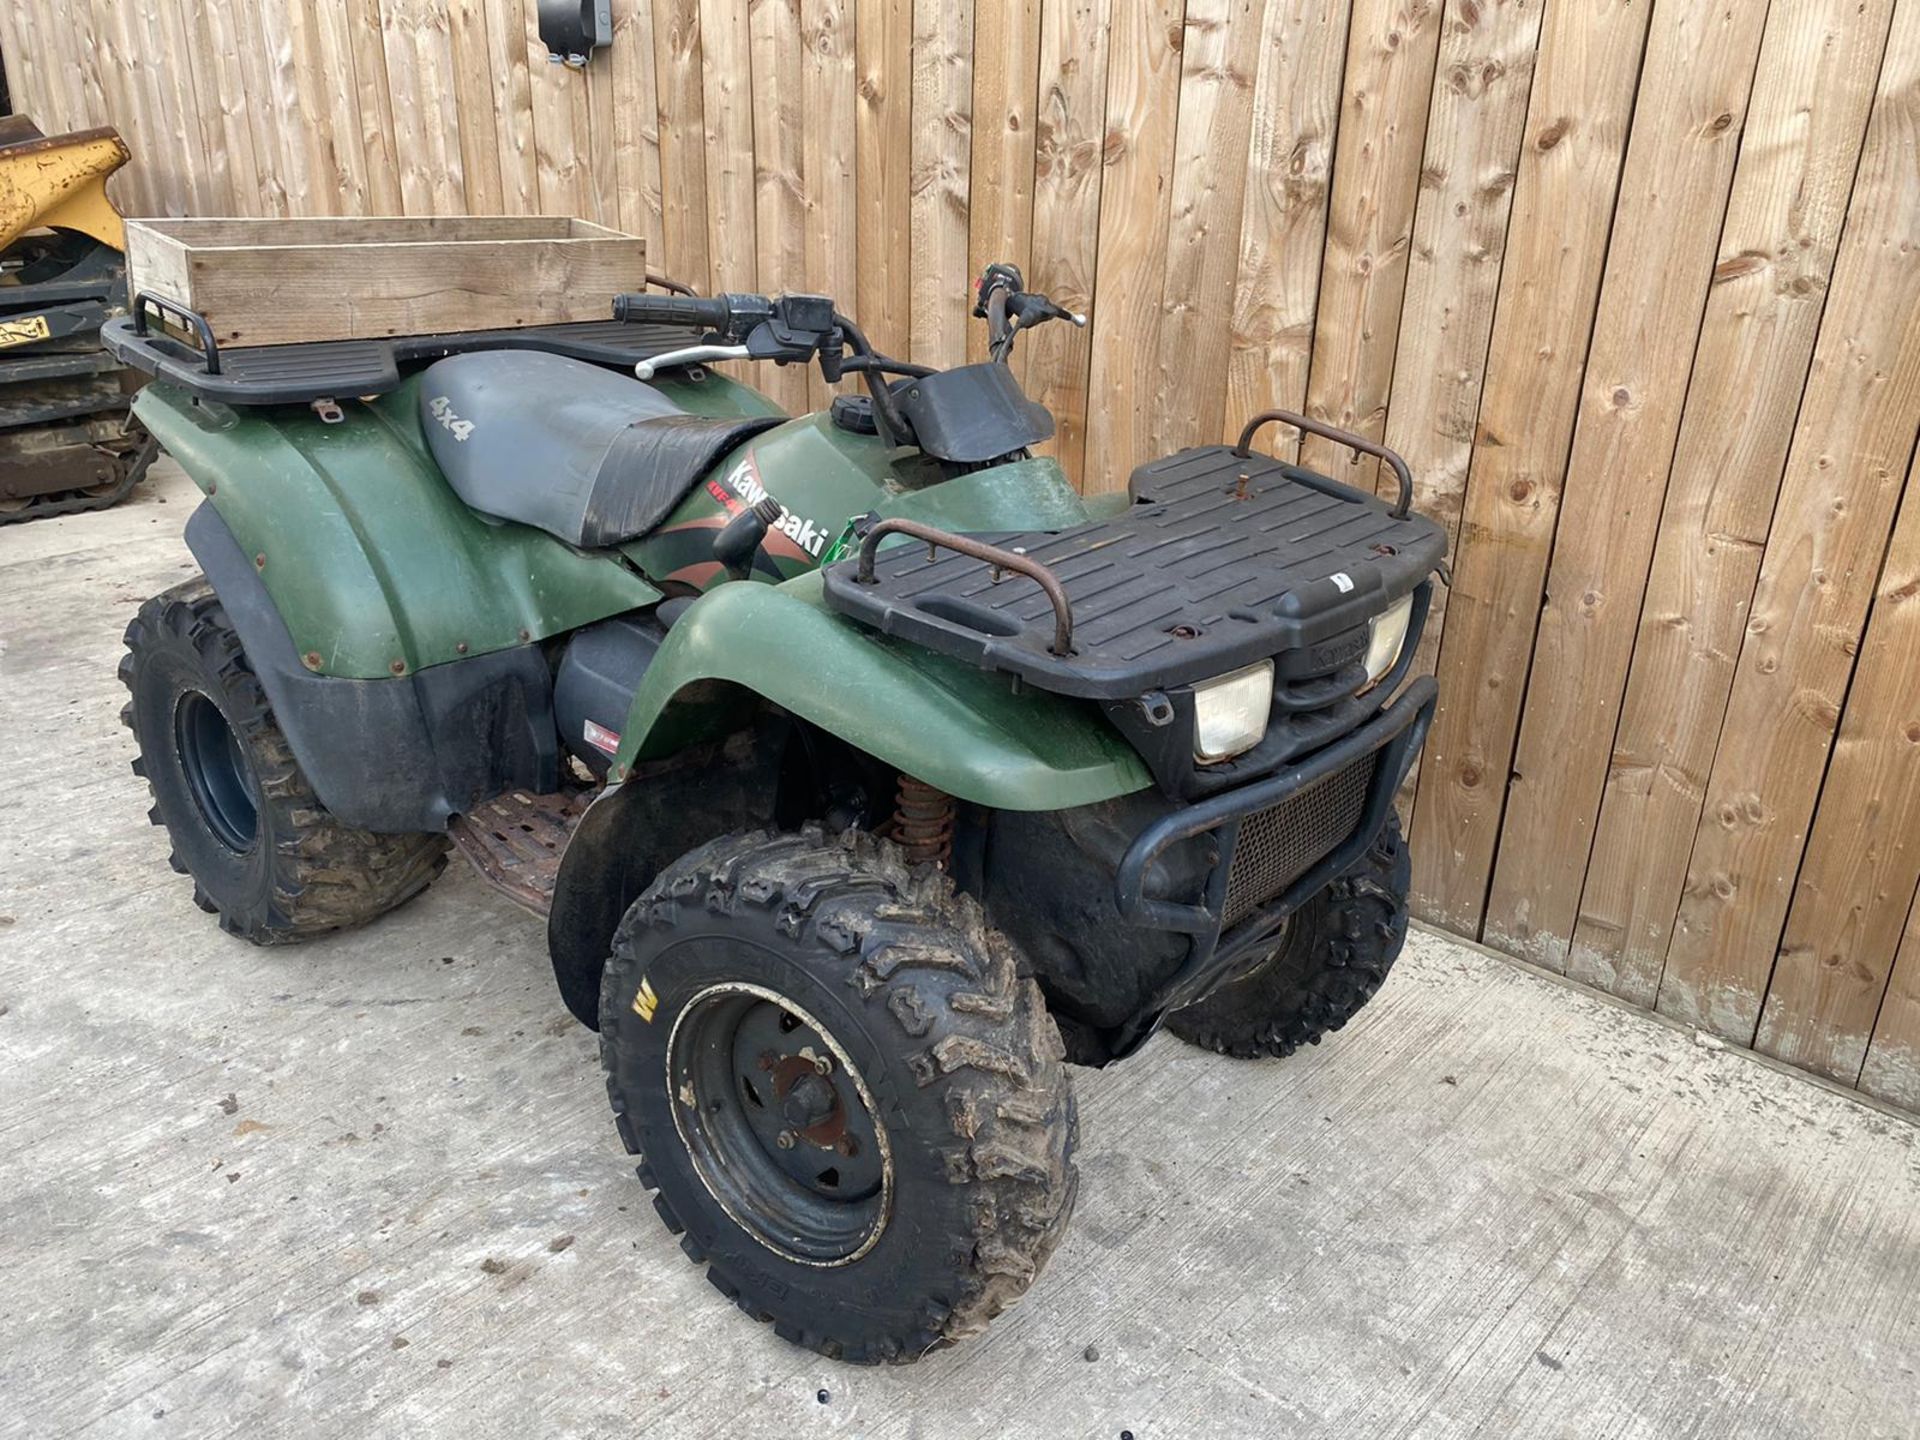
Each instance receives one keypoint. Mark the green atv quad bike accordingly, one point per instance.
(868, 775)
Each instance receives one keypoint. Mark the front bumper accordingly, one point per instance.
(1311, 823)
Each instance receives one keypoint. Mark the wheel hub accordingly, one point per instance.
(217, 771)
(779, 1124)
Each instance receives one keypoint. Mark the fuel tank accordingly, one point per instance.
(826, 476)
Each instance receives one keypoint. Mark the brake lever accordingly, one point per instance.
(692, 355)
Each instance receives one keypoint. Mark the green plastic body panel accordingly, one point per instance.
(827, 477)
(963, 730)
(376, 566)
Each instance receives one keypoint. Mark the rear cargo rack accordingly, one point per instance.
(145, 340)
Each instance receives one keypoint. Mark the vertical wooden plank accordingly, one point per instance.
(256, 49)
(598, 131)
(167, 70)
(1577, 118)
(1068, 124)
(779, 179)
(727, 98)
(1219, 60)
(1006, 57)
(279, 84)
(1862, 863)
(1143, 105)
(221, 85)
(1391, 47)
(1482, 78)
(1818, 68)
(1892, 1071)
(636, 132)
(828, 100)
(1296, 105)
(1844, 476)
(337, 101)
(475, 104)
(683, 141)
(942, 118)
(561, 128)
(1666, 232)
(18, 54)
(373, 106)
(512, 78)
(413, 136)
(883, 171)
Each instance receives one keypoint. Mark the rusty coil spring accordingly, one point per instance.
(923, 822)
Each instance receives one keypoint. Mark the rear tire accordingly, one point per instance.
(936, 1058)
(264, 854)
(1336, 952)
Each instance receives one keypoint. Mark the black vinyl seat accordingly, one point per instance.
(586, 455)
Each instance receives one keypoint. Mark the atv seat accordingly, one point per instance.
(586, 455)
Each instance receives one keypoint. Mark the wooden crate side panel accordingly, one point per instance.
(1296, 108)
(942, 125)
(1483, 77)
(1391, 49)
(1069, 124)
(1666, 231)
(284, 294)
(1790, 191)
(1143, 99)
(1577, 118)
(1219, 64)
(1892, 1070)
(1862, 864)
(1006, 60)
(883, 172)
(1844, 477)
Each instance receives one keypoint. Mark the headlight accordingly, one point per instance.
(1230, 713)
(1388, 634)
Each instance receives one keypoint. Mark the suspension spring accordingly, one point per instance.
(923, 822)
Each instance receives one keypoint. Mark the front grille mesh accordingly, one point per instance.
(1281, 843)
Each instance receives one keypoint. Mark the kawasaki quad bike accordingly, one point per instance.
(867, 773)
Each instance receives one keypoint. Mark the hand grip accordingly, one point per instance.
(682, 310)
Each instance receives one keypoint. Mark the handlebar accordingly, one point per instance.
(680, 310)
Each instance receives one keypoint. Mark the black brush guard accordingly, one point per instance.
(1278, 839)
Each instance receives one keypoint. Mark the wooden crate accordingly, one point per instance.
(279, 282)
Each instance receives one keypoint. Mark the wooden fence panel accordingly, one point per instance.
(1296, 105)
(1143, 103)
(1388, 92)
(1482, 82)
(1577, 121)
(1632, 283)
(1844, 478)
(1790, 193)
(1666, 230)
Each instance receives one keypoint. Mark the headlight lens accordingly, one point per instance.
(1230, 712)
(1388, 636)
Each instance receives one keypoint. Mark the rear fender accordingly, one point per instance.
(374, 565)
(965, 731)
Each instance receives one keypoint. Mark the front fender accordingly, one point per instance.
(962, 730)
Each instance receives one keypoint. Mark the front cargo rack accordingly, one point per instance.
(150, 340)
(1224, 559)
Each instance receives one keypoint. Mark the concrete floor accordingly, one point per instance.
(369, 1186)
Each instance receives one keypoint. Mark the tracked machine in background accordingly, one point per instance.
(68, 441)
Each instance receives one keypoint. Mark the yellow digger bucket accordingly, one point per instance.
(59, 182)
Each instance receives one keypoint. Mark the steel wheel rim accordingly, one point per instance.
(818, 1201)
(217, 771)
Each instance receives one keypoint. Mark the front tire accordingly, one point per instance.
(263, 852)
(1334, 955)
(850, 1104)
